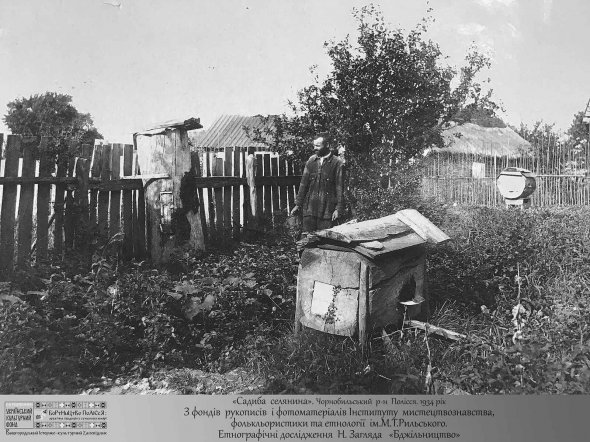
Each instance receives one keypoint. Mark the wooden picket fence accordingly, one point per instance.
(225, 195)
(50, 208)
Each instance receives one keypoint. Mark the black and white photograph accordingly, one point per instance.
(294, 198)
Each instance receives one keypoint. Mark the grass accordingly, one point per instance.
(497, 260)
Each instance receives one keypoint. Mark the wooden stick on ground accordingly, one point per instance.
(454, 336)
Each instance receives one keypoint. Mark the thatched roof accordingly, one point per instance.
(469, 138)
(228, 131)
(586, 117)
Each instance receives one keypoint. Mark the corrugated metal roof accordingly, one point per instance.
(228, 131)
(491, 141)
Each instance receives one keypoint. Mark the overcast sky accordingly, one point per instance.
(153, 60)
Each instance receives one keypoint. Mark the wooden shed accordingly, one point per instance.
(354, 276)
(164, 159)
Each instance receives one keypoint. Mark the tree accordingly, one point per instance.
(578, 131)
(51, 115)
(386, 99)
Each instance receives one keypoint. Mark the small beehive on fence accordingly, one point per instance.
(354, 276)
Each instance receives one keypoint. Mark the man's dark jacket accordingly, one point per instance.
(320, 191)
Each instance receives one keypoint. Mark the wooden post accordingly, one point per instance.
(82, 240)
(282, 189)
(298, 308)
(259, 191)
(246, 208)
(7, 217)
(195, 215)
(291, 190)
(363, 302)
(227, 193)
(69, 210)
(196, 166)
(267, 191)
(25, 208)
(103, 196)
(250, 163)
(46, 167)
(127, 204)
(95, 173)
(236, 196)
(274, 171)
(139, 233)
(115, 211)
(62, 169)
(209, 158)
(218, 191)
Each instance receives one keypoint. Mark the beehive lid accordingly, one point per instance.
(373, 238)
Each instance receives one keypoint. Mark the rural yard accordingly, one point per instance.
(370, 199)
(131, 329)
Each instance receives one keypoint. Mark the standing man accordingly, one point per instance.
(320, 195)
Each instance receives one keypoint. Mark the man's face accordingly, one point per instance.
(320, 148)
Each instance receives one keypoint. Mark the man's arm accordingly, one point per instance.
(303, 187)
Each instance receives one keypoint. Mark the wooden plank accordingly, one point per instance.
(7, 217)
(82, 235)
(375, 229)
(291, 188)
(58, 208)
(69, 211)
(46, 168)
(274, 171)
(433, 329)
(103, 196)
(25, 208)
(139, 234)
(196, 166)
(227, 193)
(95, 173)
(259, 189)
(249, 191)
(267, 188)
(210, 158)
(115, 204)
(219, 212)
(363, 305)
(283, 188)
(236, 195)
(128, 204)
(422, 226)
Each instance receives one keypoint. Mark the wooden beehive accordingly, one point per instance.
(354, 276)
(163, 158)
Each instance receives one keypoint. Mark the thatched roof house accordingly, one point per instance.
(231, 131)
(472, 139)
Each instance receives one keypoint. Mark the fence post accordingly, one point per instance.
(46, 167)
(82, 237)
(7, 217)
(25, 207)
(250, 179)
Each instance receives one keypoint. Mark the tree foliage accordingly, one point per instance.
(54, 116)
(386, 99)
